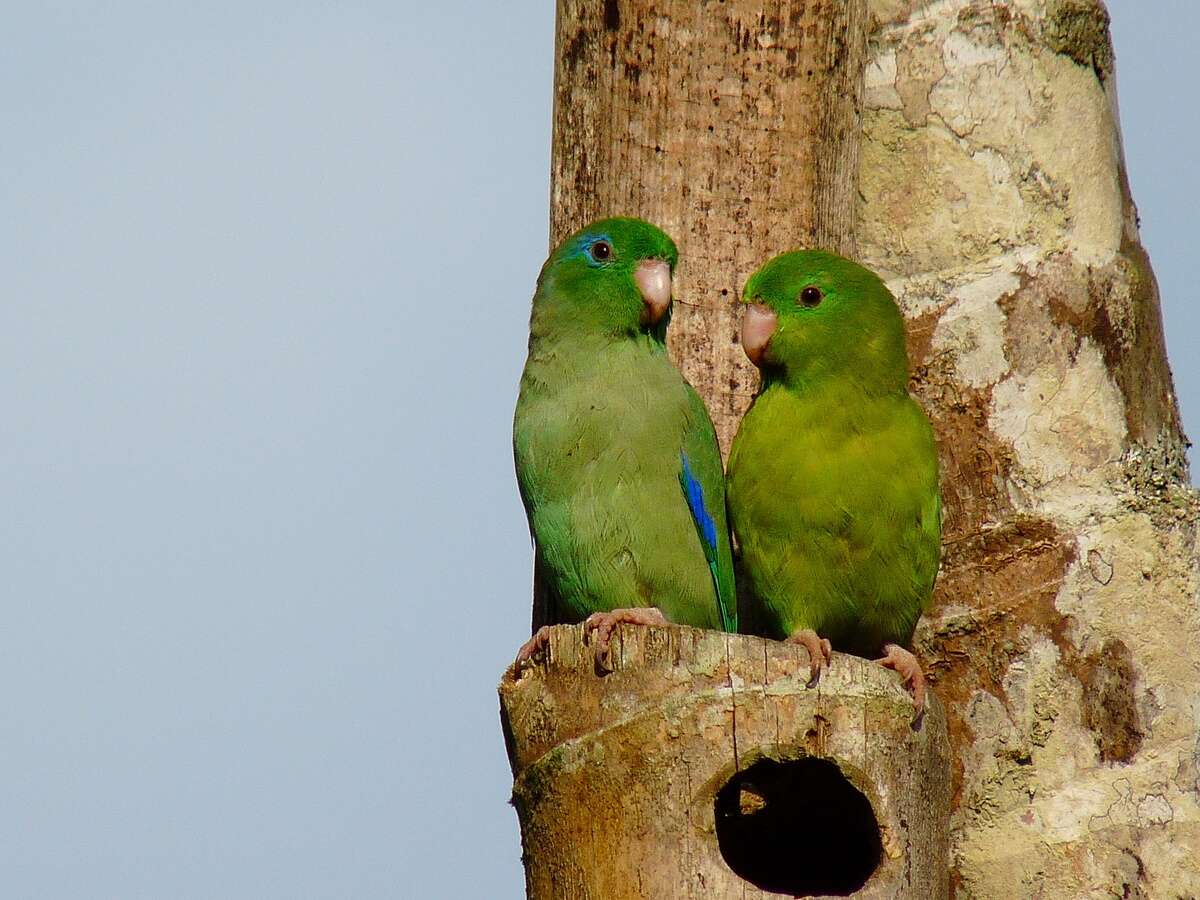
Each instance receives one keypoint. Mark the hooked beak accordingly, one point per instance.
(758, 324)
(653, 277)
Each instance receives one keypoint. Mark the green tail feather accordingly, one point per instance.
(728, 616)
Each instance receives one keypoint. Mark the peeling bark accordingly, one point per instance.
(1065, 635)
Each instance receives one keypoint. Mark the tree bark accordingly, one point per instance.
(1065, 636)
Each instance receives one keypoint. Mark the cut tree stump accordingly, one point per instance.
(703, 766)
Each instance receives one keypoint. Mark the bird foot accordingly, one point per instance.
(906, 664)
(598, 628)
(537, 643)
(820, 652)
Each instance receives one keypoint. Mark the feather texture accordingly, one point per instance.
(600, 423)
(706, 527)
(694, 492)
(833, 474)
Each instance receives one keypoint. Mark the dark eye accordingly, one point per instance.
(811, 296)
(601, 251)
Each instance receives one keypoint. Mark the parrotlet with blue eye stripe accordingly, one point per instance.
(617, 460)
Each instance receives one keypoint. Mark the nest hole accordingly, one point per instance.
(798, 827)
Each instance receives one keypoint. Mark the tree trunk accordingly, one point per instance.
(980, 172)
(1065, 637)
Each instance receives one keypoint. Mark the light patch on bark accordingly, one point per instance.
(1077, 141)
(1057, 145)
(993, 200)
(973, 329)
(880, 83)
(980, 99)
(1038, 693)
(1127, 583)
(1061, 422)
(935, 205)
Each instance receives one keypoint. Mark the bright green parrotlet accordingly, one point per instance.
(616, 457)
(833, 474)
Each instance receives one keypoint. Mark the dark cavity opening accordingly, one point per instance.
(612, 15)
(797, 827)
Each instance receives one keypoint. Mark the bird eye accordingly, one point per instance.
(601, 251)
(811, 296)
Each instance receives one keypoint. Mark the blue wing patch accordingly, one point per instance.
(695, 498)
(707, 529)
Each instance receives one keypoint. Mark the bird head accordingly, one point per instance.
(811, 315)
(613, 276)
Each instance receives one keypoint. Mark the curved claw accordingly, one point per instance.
(537, 643)
(820, 652)
(603, 623)
(902, 661)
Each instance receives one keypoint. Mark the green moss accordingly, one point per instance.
(538, 779)
(1079, 29)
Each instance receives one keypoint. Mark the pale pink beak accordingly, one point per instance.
(653, 277)
(758, 324)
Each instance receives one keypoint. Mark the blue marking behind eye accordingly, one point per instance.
(587, 242)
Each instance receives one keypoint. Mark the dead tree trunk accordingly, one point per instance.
(1065, 635)
(980, 172)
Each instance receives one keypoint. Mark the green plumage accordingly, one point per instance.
(601, 421)
(833, 480)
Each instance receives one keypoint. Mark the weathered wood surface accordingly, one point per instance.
(1065, 633)
(616, 775)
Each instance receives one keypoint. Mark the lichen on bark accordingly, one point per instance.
(1065, 632)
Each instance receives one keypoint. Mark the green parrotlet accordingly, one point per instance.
(833, 474)
(616, 457)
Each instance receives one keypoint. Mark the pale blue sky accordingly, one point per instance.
(265, 276)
